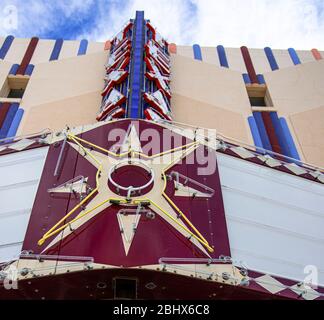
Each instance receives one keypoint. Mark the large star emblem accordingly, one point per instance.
(149, 196)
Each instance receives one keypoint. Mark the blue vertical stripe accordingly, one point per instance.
(197, 52)
(14, 69)
(262, 130)
(290, 141)
(280, 134)
(246, 78)
(15, 123)
(6, 46)
(137, 78)
(293, 55)
(261, 78)
(222, 56)
(29, 70)
(8, 120)
(255, 132)
(271, 58)
(83, 47)
(56, 50)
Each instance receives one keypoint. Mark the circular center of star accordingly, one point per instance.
(130, 178)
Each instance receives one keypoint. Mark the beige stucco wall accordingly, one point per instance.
(17, 50)
(42, 52)
(197, 113)
(258, 56)
(209, 55)
(305, 56)
(67, 91)
(309, 130)
(185, 51)
(94, 47)
(209, 83)
(72, 111)
(297, 89)
(63, 92)
(44, 49)
(260, 61)
(235, 59)
(4, 70)
(298, 95)
(210, 96)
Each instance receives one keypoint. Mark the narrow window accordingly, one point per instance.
(14, 87)
(259, 96)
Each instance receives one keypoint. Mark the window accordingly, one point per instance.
(259, 96)
(16, 93)
(125, 288)
(257, 101)
(14, 87)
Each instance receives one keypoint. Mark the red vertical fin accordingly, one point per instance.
(271, 132)
(28, 55)
(3, 112)
(316, 54)
(249, 65)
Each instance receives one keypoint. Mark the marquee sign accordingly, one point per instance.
(137, 75)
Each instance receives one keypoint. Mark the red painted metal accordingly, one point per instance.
(271, 132)
(100, 237)
(85, 285)
(50, 208)
(3, 112)
(28, 55)
(249, 64)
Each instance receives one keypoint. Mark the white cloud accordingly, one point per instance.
(173, 19)
(38, 17)
(232, 23)
(259, 23)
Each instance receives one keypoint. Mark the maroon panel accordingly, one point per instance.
(48, 209)
(99, 284)
(249, 64)
(100, 237)
(28, 55)
(271, 132)
(109, 136)
(207, 215)
(3, 112)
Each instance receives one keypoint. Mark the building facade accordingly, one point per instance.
(139, 168)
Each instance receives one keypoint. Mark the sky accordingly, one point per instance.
(232, 23)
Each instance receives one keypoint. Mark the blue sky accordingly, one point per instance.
(255, 23)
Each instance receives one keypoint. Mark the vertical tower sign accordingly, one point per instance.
(137, 74)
